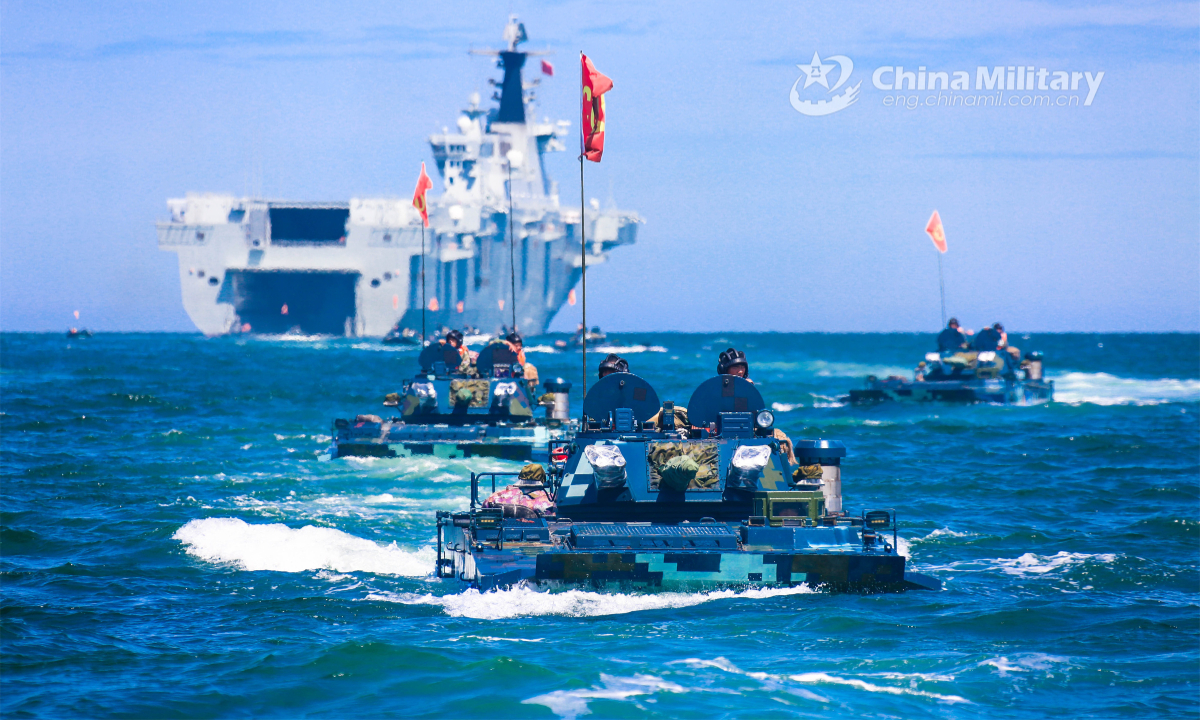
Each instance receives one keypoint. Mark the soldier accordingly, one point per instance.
(951, 339)
(989, 338)
(517, 343)
(444, 350)
(733, 362)
(614, 363)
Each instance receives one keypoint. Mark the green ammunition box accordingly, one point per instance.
(789, 507)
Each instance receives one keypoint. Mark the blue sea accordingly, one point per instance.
(172, 546)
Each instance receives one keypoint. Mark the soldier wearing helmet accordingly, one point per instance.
(733, 362)
(613, 363)
(517, 344)
(445, 350)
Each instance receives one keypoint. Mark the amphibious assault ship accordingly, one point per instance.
(353, 268)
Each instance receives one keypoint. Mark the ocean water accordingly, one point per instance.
(171, 546)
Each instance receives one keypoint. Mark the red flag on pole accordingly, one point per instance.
(595, 84)
(423, 184)
(547, 68)
(936, 232)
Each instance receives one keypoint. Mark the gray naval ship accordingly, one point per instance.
(353, 268)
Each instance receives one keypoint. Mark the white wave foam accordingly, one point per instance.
(1024, 663)
(826, 678)
(1076, 388)
(541, 349)
(942, 533)
(1030, 564)
(573, 703)
(630, 349)
(824, 368)
(284, 549)
(820, 677)
(524, 601)
(785, 407)
(1027, 565)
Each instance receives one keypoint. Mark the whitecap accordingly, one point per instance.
(1024, 663)
(943, 533)
(1027, 565)
(525, 601)
(826, 678)
(785, 407)
(811, 678)
(573, 703)
(630, 349)
(1076, 388)
(284, 549)
(1031, 564)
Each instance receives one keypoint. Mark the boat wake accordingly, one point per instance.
(284, 549)
(1076, 388)
(1029, 564)
(525, 601)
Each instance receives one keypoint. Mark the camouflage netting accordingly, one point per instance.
(532, 474)
(679, 476)
(807, 472)
(474, 392)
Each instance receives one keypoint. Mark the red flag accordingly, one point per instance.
(936, 232)
(423, 184)
(547, 68)
(595, 84)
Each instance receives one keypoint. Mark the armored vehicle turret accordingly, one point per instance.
(636, 501)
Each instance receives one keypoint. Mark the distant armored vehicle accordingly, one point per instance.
(490, 412)
(642, 504)
(965, 377)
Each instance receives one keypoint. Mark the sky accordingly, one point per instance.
(757, 217)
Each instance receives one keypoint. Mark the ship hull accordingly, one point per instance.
(236, 275)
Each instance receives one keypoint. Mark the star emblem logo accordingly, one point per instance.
(816, 72)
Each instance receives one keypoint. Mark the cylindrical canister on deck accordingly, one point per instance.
(561, 390)
(828, 454)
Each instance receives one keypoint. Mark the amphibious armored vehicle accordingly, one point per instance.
(964, 377)
(636, 502)
(448, 413)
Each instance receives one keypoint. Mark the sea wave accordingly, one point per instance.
(817, 678)
(570, 704)
(1076, 388)
(284, 549)
(1029, 564)
(524, 601)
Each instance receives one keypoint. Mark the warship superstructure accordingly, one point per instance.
(353, 268)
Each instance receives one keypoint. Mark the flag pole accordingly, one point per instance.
(422, 284)
(582, 232)
(512, 266)
(942, 285)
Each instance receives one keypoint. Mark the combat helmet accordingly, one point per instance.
(729, 358)
(613, 363)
